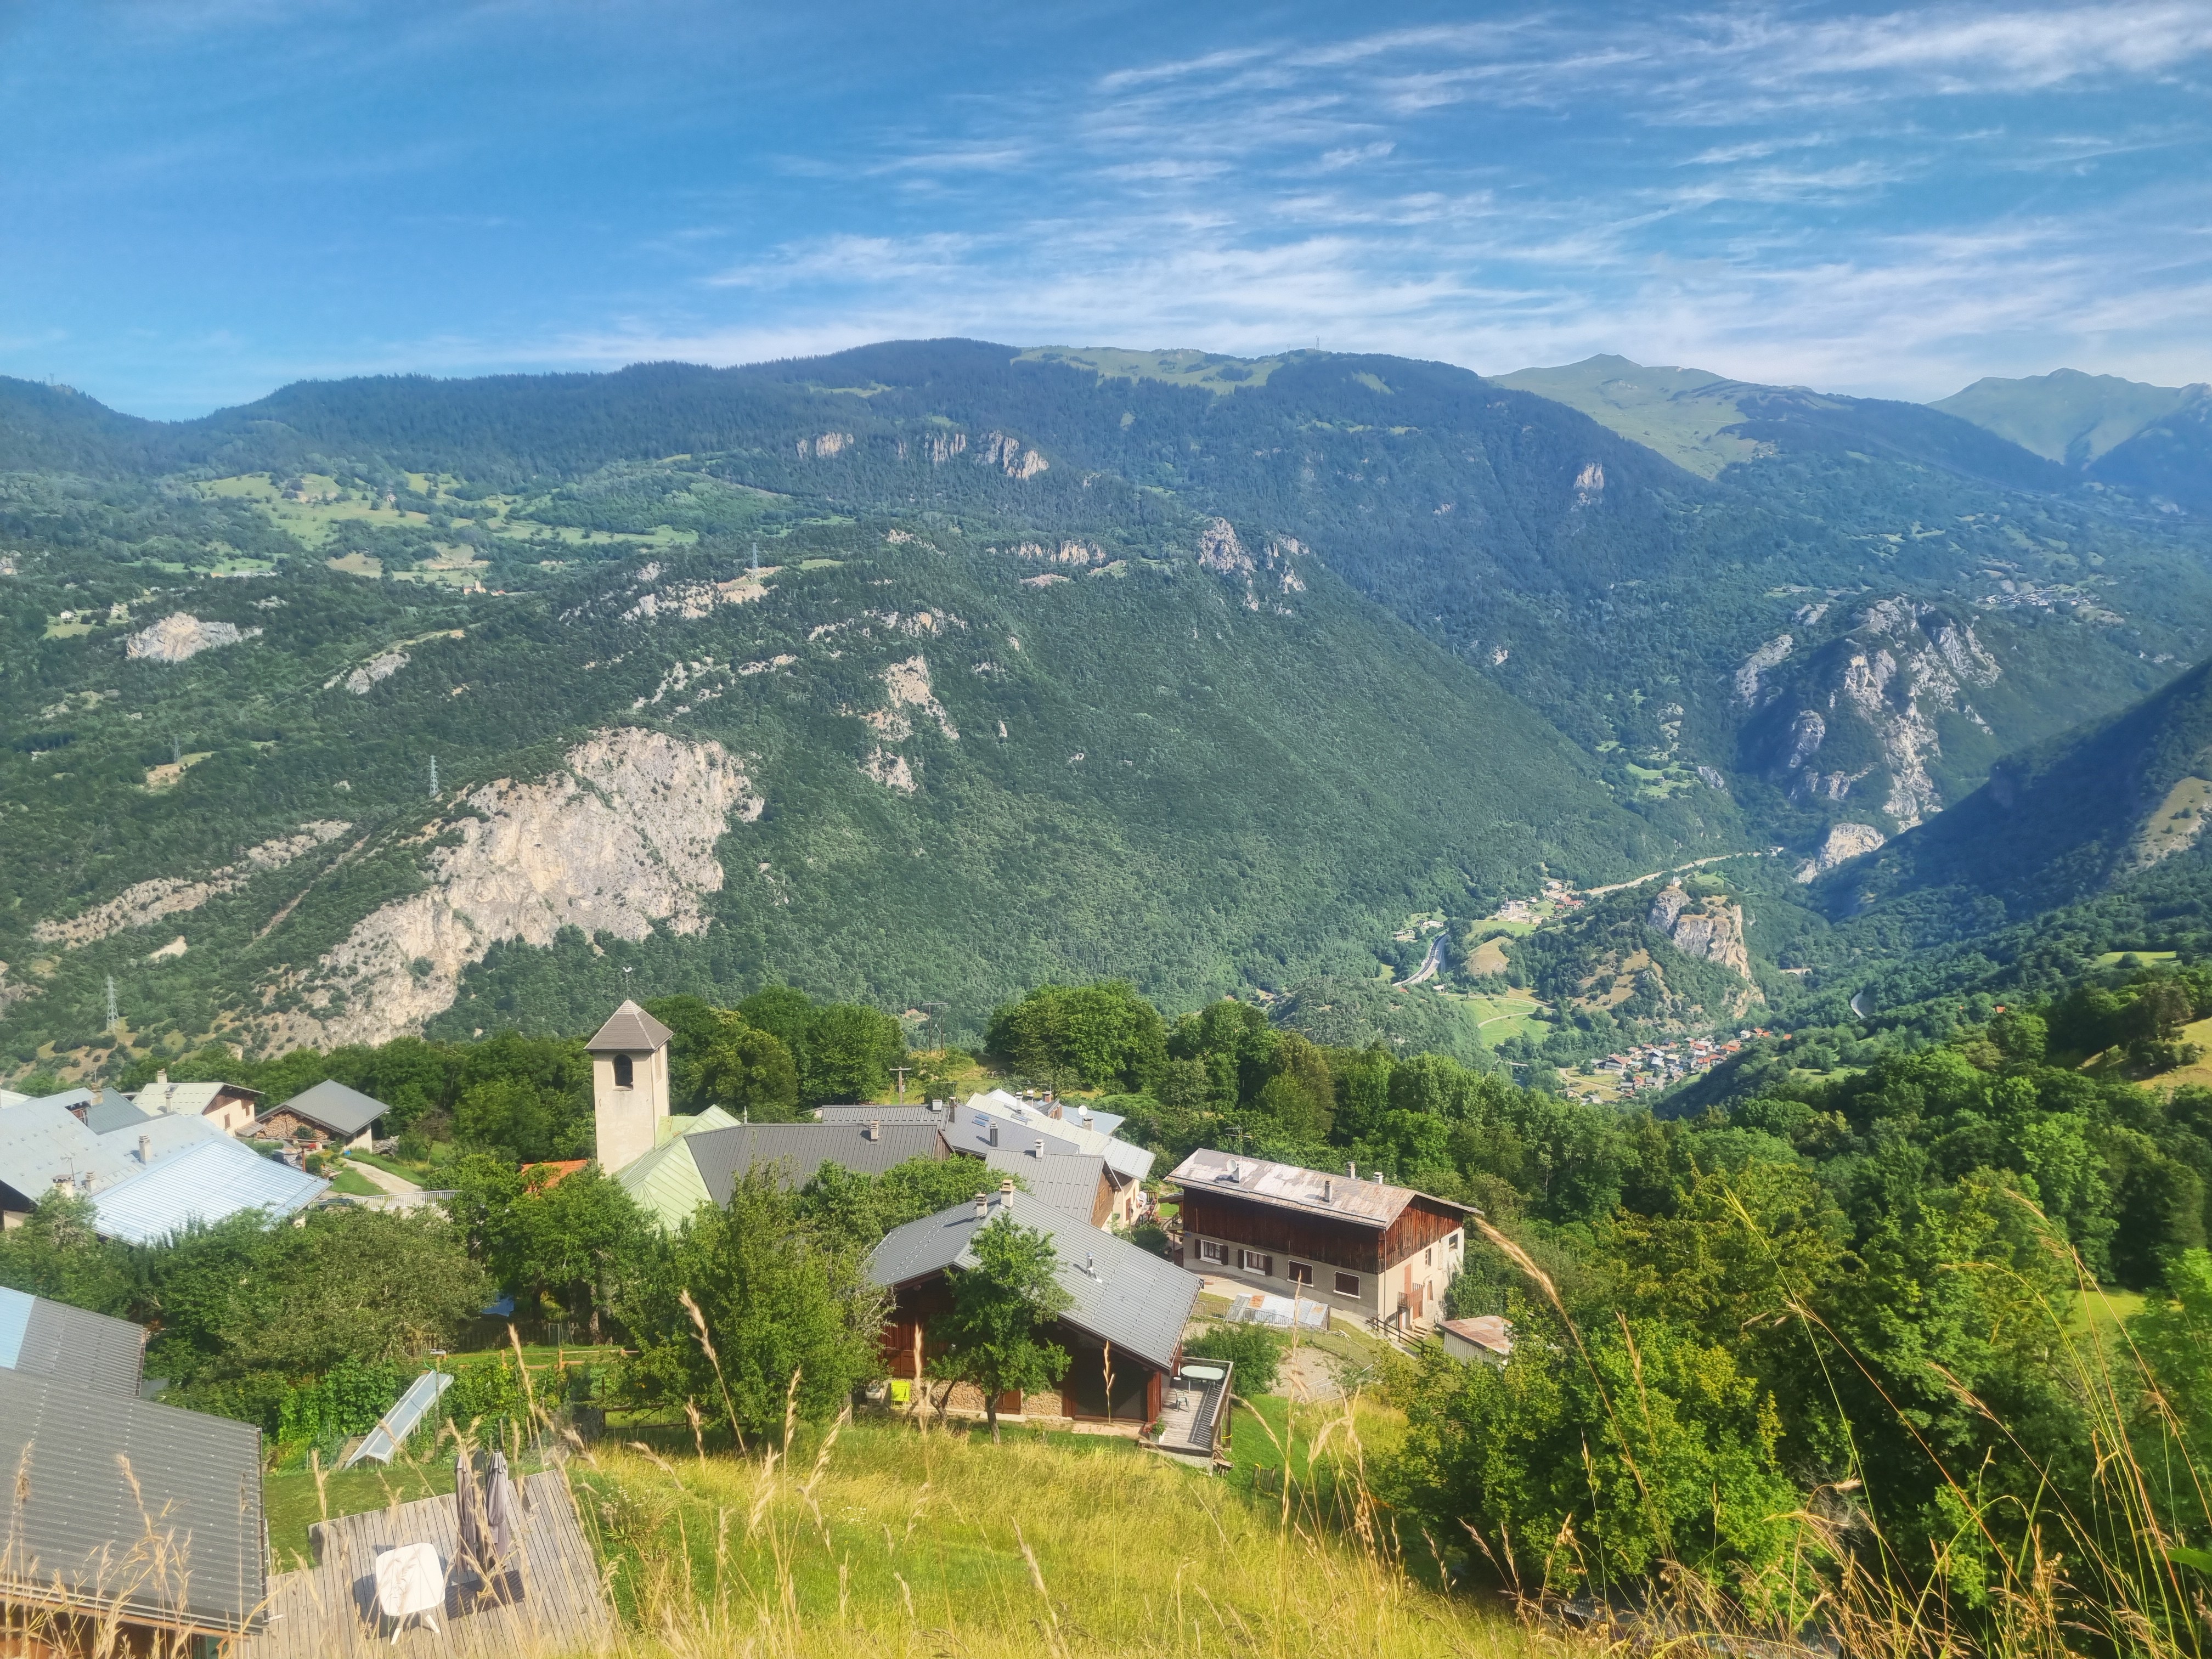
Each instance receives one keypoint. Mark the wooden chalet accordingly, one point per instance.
(1364, 1250)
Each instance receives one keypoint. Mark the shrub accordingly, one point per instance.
(1255, 1351)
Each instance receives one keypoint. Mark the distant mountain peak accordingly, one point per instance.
(2066, 416)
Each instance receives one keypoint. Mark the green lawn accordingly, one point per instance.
(353, 1182)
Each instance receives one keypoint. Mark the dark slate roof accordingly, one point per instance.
(99, 1474)
(1131, 1298)
(1067, 1180)
(330, 1105)
(113, 1112)
(724, 1155)
(87, 1350)
(629, 1030)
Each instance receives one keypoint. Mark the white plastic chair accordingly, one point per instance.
(411, 1583)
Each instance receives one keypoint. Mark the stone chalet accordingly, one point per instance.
(1363, 1249)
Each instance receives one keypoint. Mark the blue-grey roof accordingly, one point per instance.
(207, 1183)
(1067, 1180)
(332, 1106)
(1129, 1296)
(867, 1114)
(52, 1339)
(149, 1511)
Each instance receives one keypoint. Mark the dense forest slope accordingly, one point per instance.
(929, 670)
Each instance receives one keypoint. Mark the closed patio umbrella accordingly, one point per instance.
(472, 1547)
(503, 1521)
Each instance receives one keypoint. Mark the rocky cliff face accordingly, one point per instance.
(1845, 842)
(1711, 929)
(1857, 717)
(183, 636)
(620, 838)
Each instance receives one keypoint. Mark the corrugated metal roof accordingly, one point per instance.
(1366, 1203)
(724, 1155)
(155, 1512)
(1067, 1180)
(52, 1339)
(628, 1029)
(166, 1132)
(1130, 1297)
(330, 1105)
(206, 1183)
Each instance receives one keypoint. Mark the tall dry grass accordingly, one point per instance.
(882, 1539)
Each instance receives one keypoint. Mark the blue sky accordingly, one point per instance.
(202, 200)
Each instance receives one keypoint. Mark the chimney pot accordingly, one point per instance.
(1006, 1187)
(875, 1128)
(1039, 1153)
(1327, 1192)
(1352, 1171)
(982, 1205)
(145, 1149)
(161, 1077)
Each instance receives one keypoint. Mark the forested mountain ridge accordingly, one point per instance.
(1299, 639)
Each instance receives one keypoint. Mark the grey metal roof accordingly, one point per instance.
(332, 1106)
(1026, 1121)
(88, 1349)
(629, 1029)
(722, 1156)
(863, 1113)
(155, 1512)
(43, 1139)
(205, 1183)
(1067, 1180)
(1130, 1297)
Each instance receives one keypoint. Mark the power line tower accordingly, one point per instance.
(114, 1019)
(754, 567)
(176, 749)
(434, 777)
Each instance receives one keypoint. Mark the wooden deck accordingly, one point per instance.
(329, 1610)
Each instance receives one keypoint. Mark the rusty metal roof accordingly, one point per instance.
(1288, 1186)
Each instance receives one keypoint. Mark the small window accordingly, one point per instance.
(1301, 1272)
(1253, 1262)
(623, 1072)
(995, 1134)
(1429, 1257)
(1210, 1251)
(1347, 1283)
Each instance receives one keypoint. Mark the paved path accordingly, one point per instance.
(397, 1186)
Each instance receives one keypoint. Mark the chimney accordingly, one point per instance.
(982, 1205)
(145, 1149)
(1090, 1263)
(1327, 1191)
(875, 1129)
(1039, 1153)
(98, 1094)
(161, 1077)
(1086, 1117)
(1352, 1171)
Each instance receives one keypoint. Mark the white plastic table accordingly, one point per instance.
(411, 1583)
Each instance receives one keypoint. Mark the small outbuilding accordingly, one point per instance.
(328, 1114)
(1488, 1340)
